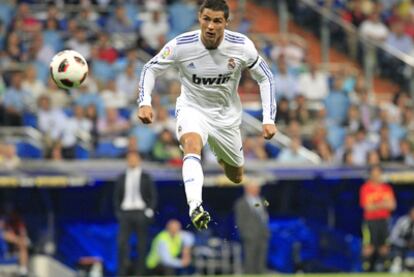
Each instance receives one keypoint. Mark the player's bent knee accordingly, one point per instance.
(235, 174)
(237, 179)
(191, 143)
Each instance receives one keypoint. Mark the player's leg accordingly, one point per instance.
(192, 136)
(227, 146)
(234, 173)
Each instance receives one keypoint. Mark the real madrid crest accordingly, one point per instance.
(231, 64)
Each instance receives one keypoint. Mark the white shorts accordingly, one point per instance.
(226, 143)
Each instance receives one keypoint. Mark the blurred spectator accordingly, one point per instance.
(170, 250)
(52, 36)
(8, 156)
(119, 22)
(408, 119)
(353, 122)
(87, 19)
(355, 13)
(337, 102)
(290, 50)
(374, 29)
(347, 147)
(313, 84)
(294, 129)
(16, 100)
(362, 146)
(398, 39)
(146, 138)
(325, 152)
(84, 97)
(79, 42)
(301, 110)
(348, 158)
(127, 82)
(402, 241)
(282, 116)
(406, 153)
(373, 158)
(285, 83)
(166, 148)
(291, 155)
(252, 222)
(254, 148)
(92, 115)
(82, 125)
(29, 21)
(155, 27)
(113, 97)
(163, 121)
(59, 98)
(51, 122)
(384, 151)
(135, 199)
(31, 83)
(378, 201)
(14, 48)
(13, 232)
(106, 52)
(113, 124)
(319, 135)
(42, 53)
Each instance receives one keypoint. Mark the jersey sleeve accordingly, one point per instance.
(261, 72)
(153, 68)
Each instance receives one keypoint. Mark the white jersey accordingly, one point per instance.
(210, 77)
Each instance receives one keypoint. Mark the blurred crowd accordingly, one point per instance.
(325, 108)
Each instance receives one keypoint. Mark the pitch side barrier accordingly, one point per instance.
(98, 172)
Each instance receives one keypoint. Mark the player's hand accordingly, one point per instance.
(269, 130)
(145, 114)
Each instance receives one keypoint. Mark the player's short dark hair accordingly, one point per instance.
(216, 5)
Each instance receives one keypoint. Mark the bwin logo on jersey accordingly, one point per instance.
(219, 80)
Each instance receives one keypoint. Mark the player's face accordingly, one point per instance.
(212, 25)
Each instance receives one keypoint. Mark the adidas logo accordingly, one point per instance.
(191, 65)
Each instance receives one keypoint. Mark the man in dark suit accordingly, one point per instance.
(252, 219)
(134, 201)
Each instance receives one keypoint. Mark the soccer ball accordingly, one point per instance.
(68, 69)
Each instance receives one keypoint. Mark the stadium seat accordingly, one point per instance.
(30, 119)
(125, 113)
(28, 150)
(81, 152)
(106, 149)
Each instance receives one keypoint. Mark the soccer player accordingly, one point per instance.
(210, 62)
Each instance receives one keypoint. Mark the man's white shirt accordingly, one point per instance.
(210, 77)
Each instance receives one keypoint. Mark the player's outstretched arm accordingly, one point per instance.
(261, 72)
(153, 68)
(145, 114)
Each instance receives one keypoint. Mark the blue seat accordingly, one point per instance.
(81, 152)
(28, 150)
(125, 113)
(30, 119)
(272, 150)
(106, 149)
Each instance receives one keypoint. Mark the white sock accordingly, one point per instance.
(193, 178)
